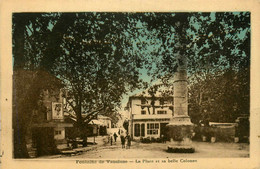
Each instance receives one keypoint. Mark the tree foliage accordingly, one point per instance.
(95, 67)
(217, 49)
(88, 52)
(100, 56)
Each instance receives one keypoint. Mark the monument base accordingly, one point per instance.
(180, 149)
(180, 131)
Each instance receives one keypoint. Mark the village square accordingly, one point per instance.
(106, 85)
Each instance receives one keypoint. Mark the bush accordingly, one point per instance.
(145, 140)
(153, 139)
(150, 140)
(159, 140)
(225, 134)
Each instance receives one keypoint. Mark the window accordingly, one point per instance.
(57, 132)
(161, 112)
(152, 128)
(143, 112)
(142, 130)
(137, 130)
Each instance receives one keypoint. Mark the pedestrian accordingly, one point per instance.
(108, 138)
(115, 136)
(111, 140)
(122, 141)
(128, 139)
(163, 138)
(68, 142)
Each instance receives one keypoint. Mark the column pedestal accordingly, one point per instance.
(180, 131)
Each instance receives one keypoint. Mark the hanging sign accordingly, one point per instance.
(57, 111)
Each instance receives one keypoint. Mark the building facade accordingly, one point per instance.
(38, 111)
(100, 125)
(149, 115)
(105, 120)
(50, 124)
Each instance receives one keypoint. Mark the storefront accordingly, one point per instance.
(149, 129)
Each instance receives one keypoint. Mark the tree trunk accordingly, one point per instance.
(20, 149)
(19, 40)
(81, 125)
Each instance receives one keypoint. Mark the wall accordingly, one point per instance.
(136, 109)
(105, 121)
(61, 134)
(156, 135)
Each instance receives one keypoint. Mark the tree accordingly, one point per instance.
(216, 46)
(32, 45)
(89, 52)
(96, 65)
(27, 101)
(98, 56)
(220, 97)
(227, 71)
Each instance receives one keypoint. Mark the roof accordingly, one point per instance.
(74, 118)
(103, 117)
(97, 122)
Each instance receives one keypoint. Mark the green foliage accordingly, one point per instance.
(220, 97)
(209, 41)
(217, 49)
(93, 65)
(98, 58)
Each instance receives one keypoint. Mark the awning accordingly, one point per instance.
(96, 122)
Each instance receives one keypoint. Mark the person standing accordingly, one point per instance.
(163, 138)
(108, 139)
(122, 141)
(128, 139)
(111, 140)
(115, 136)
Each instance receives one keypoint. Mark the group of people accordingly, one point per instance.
(125, 139)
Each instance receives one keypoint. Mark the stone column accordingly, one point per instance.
(180, 126)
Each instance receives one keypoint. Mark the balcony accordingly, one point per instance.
(152, 116)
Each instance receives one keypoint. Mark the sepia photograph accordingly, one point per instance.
(131, 84)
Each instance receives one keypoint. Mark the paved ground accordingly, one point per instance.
(158, 150)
